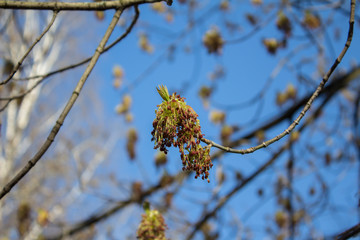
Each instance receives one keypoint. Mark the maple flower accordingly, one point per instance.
(176, 124)
(152, 226)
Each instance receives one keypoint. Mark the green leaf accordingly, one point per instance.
(164, 93)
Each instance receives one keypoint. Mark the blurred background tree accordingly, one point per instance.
(246, 67)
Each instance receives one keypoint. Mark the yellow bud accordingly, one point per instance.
(120, 109)
(281, 219)
(280, 98)
(127, 100)
(158, 7)
(294, 136)
(260, 135)
(100, 15)
(213, 41)
(118, 71)
(217, 116)
(256, 2)
(311, 21)
(291, 91)
(43, 217)
(271, 45)
(169, 17)
(144, 44)
(129, 117)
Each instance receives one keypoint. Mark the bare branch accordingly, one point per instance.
(309, 102)
(43, 77)
(274, 157)
(16, 68)
(95, 218)
(74, 6)
(80, 226)
(239, 186)
(128, 30)
(352, 232)
(31, 163)
(332, 88)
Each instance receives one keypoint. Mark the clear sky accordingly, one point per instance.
(247, 67)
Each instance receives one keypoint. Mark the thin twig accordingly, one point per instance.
(43, 77)
(276, 155)
(309, 102)
(128, 30)
(335, 86)
(352, 232)
(3, 107)
(31, 163)
(222, 201)
(84, 224)
(96, 218)
(16, 68)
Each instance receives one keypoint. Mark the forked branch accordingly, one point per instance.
(16, 68)
(45, 76)
(31, 163)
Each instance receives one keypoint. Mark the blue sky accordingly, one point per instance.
(247, 66)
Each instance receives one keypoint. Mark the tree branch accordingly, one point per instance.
(332, 88)
(308, 103)
(95, 218)
(352, 232)
(272, 160)
(222, 201)
(31, 163)
(16, 68)
(84, 224)
(74, 6)
(128, 30)
(44, 76)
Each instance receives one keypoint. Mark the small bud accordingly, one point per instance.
(118, 71)
(281, 219)
(291, 91)
(213, 41)
(158, 7)
(294, 136)
(280, 98)
(100, 15)
(217, 117)
(224, 5)
(311, 21)
(271, 45)
(160, 159)
(145, 44)
(256, 2)
(283, 23)
(43, 217)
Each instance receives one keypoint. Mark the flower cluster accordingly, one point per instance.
(176, 124)
(152, 226)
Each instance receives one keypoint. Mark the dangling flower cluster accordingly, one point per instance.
(152, 226)
(176, 124)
